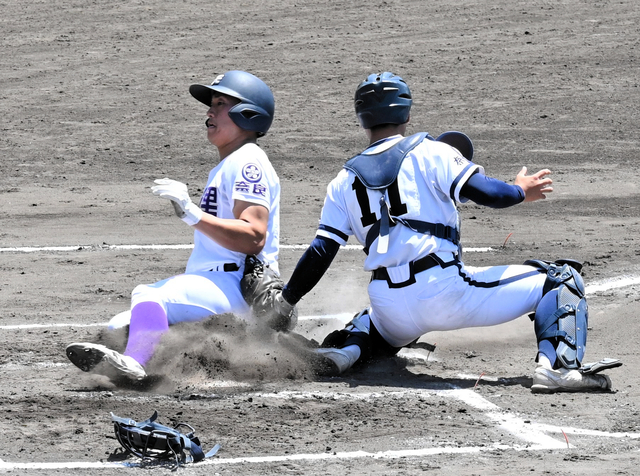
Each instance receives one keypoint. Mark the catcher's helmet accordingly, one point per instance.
(382, 99)
(255, 110)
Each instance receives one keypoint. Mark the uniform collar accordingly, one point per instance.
(394, 138)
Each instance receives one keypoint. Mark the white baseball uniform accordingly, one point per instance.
(206, 288)
(451, 296)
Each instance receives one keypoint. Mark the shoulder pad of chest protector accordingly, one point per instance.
(378, 171)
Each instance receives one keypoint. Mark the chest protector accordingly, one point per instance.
(377, 172)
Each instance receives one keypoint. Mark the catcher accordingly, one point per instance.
(399, 199)
(238, 216)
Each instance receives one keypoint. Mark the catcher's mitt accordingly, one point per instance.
(262, 289)
(148, 439)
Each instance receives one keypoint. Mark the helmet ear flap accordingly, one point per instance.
(250, 117)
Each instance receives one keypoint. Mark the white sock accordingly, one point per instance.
(353, 351)
(544, 362)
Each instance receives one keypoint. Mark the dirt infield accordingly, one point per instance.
(95, 106)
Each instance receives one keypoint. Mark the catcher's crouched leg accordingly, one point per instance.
(337, 352)
(560, 324)
(262, 288)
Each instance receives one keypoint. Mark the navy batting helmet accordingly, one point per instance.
(255, 110)
(382, 99)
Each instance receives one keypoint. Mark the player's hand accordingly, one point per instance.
(178, 193)
(535, 186)
(284, 316)
(282, 307)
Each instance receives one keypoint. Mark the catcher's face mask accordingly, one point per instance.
(148, 439)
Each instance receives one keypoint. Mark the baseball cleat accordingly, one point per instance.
(568, 380)
(330, 362)
(87, 356)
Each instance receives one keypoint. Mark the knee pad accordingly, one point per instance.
(559, 271)
(562, 314)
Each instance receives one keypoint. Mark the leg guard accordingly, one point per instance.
(562, 314)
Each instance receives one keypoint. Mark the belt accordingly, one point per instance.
(227, 267)
(415, 267)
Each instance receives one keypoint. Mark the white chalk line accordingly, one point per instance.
(619, 282)
(522, 428)
(533, 435)
(343, 317)
(267, 459)
(612, 283)
(594, 288)
(36, 249)
(43, 326)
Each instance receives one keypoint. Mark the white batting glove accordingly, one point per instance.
(177, 192)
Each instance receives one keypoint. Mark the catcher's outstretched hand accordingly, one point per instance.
(178, 193)
(535, 186)
(262, 289)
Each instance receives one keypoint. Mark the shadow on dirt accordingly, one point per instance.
(393, 372)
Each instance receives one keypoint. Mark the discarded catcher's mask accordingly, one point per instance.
(148, 439)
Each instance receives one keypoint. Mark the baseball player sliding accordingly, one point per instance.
(399, 198)
(238, 215)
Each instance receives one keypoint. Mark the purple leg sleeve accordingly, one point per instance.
(148, 324)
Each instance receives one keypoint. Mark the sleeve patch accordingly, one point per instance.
(242, 187)
(259, 189)
(252, 173)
